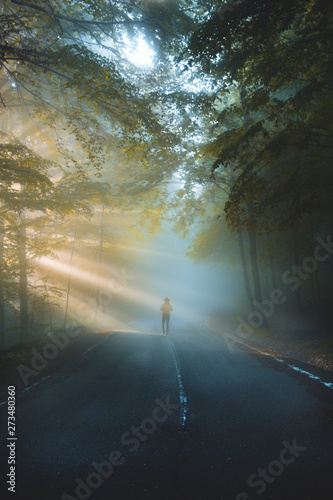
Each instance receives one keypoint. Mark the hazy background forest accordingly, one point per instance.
(134, 132)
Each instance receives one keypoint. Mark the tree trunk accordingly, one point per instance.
(100, 262)
(245, 270)
(47, 300)
(2, 300)
(296, 261)
(32, 308)
(23, 286)
(69, 278)
(253, 257)
(271, 263)
(254, 265)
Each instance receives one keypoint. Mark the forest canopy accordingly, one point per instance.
(106, 106)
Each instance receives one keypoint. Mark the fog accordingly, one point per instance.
(195, 290)
(148, 129)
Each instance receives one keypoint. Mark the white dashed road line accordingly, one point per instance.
(182, 393)
(310, 375)
(88, 350)
(36, 383)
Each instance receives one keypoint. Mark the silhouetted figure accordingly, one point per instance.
(166, 307)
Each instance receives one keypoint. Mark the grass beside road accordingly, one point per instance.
(316, 351)
(12, 358)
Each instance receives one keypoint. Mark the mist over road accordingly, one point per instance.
(144, 416)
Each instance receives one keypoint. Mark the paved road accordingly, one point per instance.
(148, 417)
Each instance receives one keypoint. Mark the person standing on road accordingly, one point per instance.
(166, 307)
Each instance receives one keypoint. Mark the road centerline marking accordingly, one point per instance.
(182, 393)
(90, 348)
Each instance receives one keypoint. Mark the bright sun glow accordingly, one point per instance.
(138, 52)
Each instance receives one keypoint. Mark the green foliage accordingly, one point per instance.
(278, 57)
(235, 112)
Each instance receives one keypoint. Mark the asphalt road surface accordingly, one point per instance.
(141, 416)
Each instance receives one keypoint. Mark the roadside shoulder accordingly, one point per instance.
(23, 365)
(316, 352)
